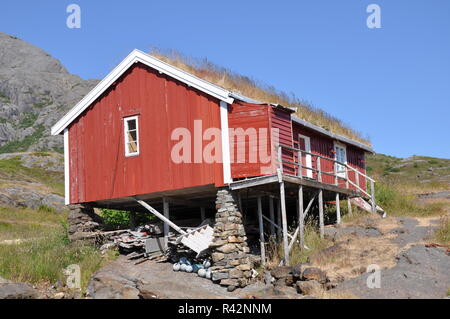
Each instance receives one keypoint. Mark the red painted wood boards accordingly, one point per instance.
(98, 167)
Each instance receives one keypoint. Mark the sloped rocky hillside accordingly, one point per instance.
(35, 91)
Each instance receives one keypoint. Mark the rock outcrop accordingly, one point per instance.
(35, 92)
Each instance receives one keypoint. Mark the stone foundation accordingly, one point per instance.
(83, 222)
(231, 263)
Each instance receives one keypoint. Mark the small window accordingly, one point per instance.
(131, 127)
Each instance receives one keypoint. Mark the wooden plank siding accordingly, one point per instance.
(99, 169)
(280, 120)
(324, 146)
(251, 119)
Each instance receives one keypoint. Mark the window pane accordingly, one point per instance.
(131, 125)
(132, 136)
(132, 147)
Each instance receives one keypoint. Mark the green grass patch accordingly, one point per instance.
(45, 216)
(119, 219)
(44, 260)
(46, 101)
(13, 231)
(24, 144)
(28, 120)
(399, 203)
(12, 169)
(4, 99)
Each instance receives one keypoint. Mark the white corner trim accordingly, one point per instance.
(226, 162)
(134, 57)
(66, 168)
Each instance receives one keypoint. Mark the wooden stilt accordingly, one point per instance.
(372, 193)
(349, 206)
(338, 209)
(261, 232)
(166, 225)
(284, 221)
(202, 213)
(321, 223)
(279, 218)
(272, 216)
(301, 219)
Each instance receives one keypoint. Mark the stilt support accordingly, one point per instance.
(284, 222)
(301, 218)
(321, 222)
(261, 232)
(338, 209)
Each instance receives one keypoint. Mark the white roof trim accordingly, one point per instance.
(134, 57)
(332, 135)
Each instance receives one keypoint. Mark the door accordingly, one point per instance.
(341, 157)
(304, 144)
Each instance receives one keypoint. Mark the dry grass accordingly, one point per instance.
(297, 255)
(247, 86)
(333, 294)
(442, 234)
(353, 255)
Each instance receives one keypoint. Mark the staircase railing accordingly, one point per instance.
(296, 168)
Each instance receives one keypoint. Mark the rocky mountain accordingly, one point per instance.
(35, 91)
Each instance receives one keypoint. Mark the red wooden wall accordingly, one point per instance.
(281, 121)
(323, 145)
(98, 167)
(251, 118)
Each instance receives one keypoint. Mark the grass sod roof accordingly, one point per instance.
(232, 81)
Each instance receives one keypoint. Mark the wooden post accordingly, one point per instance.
(336, 180)
(261, 232)
(202, 213)
(319, 170)
(321, 223)
(300, 168)
(272, 215)
(349, 206)
(372, 193)
(301, 219)
(338, 209)
(166, 225)
(280, 159)
(346, 177)
(279, 218)
(284, 221)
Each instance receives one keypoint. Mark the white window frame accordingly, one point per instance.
(308, 158)
(338, 166)
(125, 131)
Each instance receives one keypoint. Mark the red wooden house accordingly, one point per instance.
(119, 143)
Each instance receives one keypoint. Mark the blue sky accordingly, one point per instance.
(392, 84)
